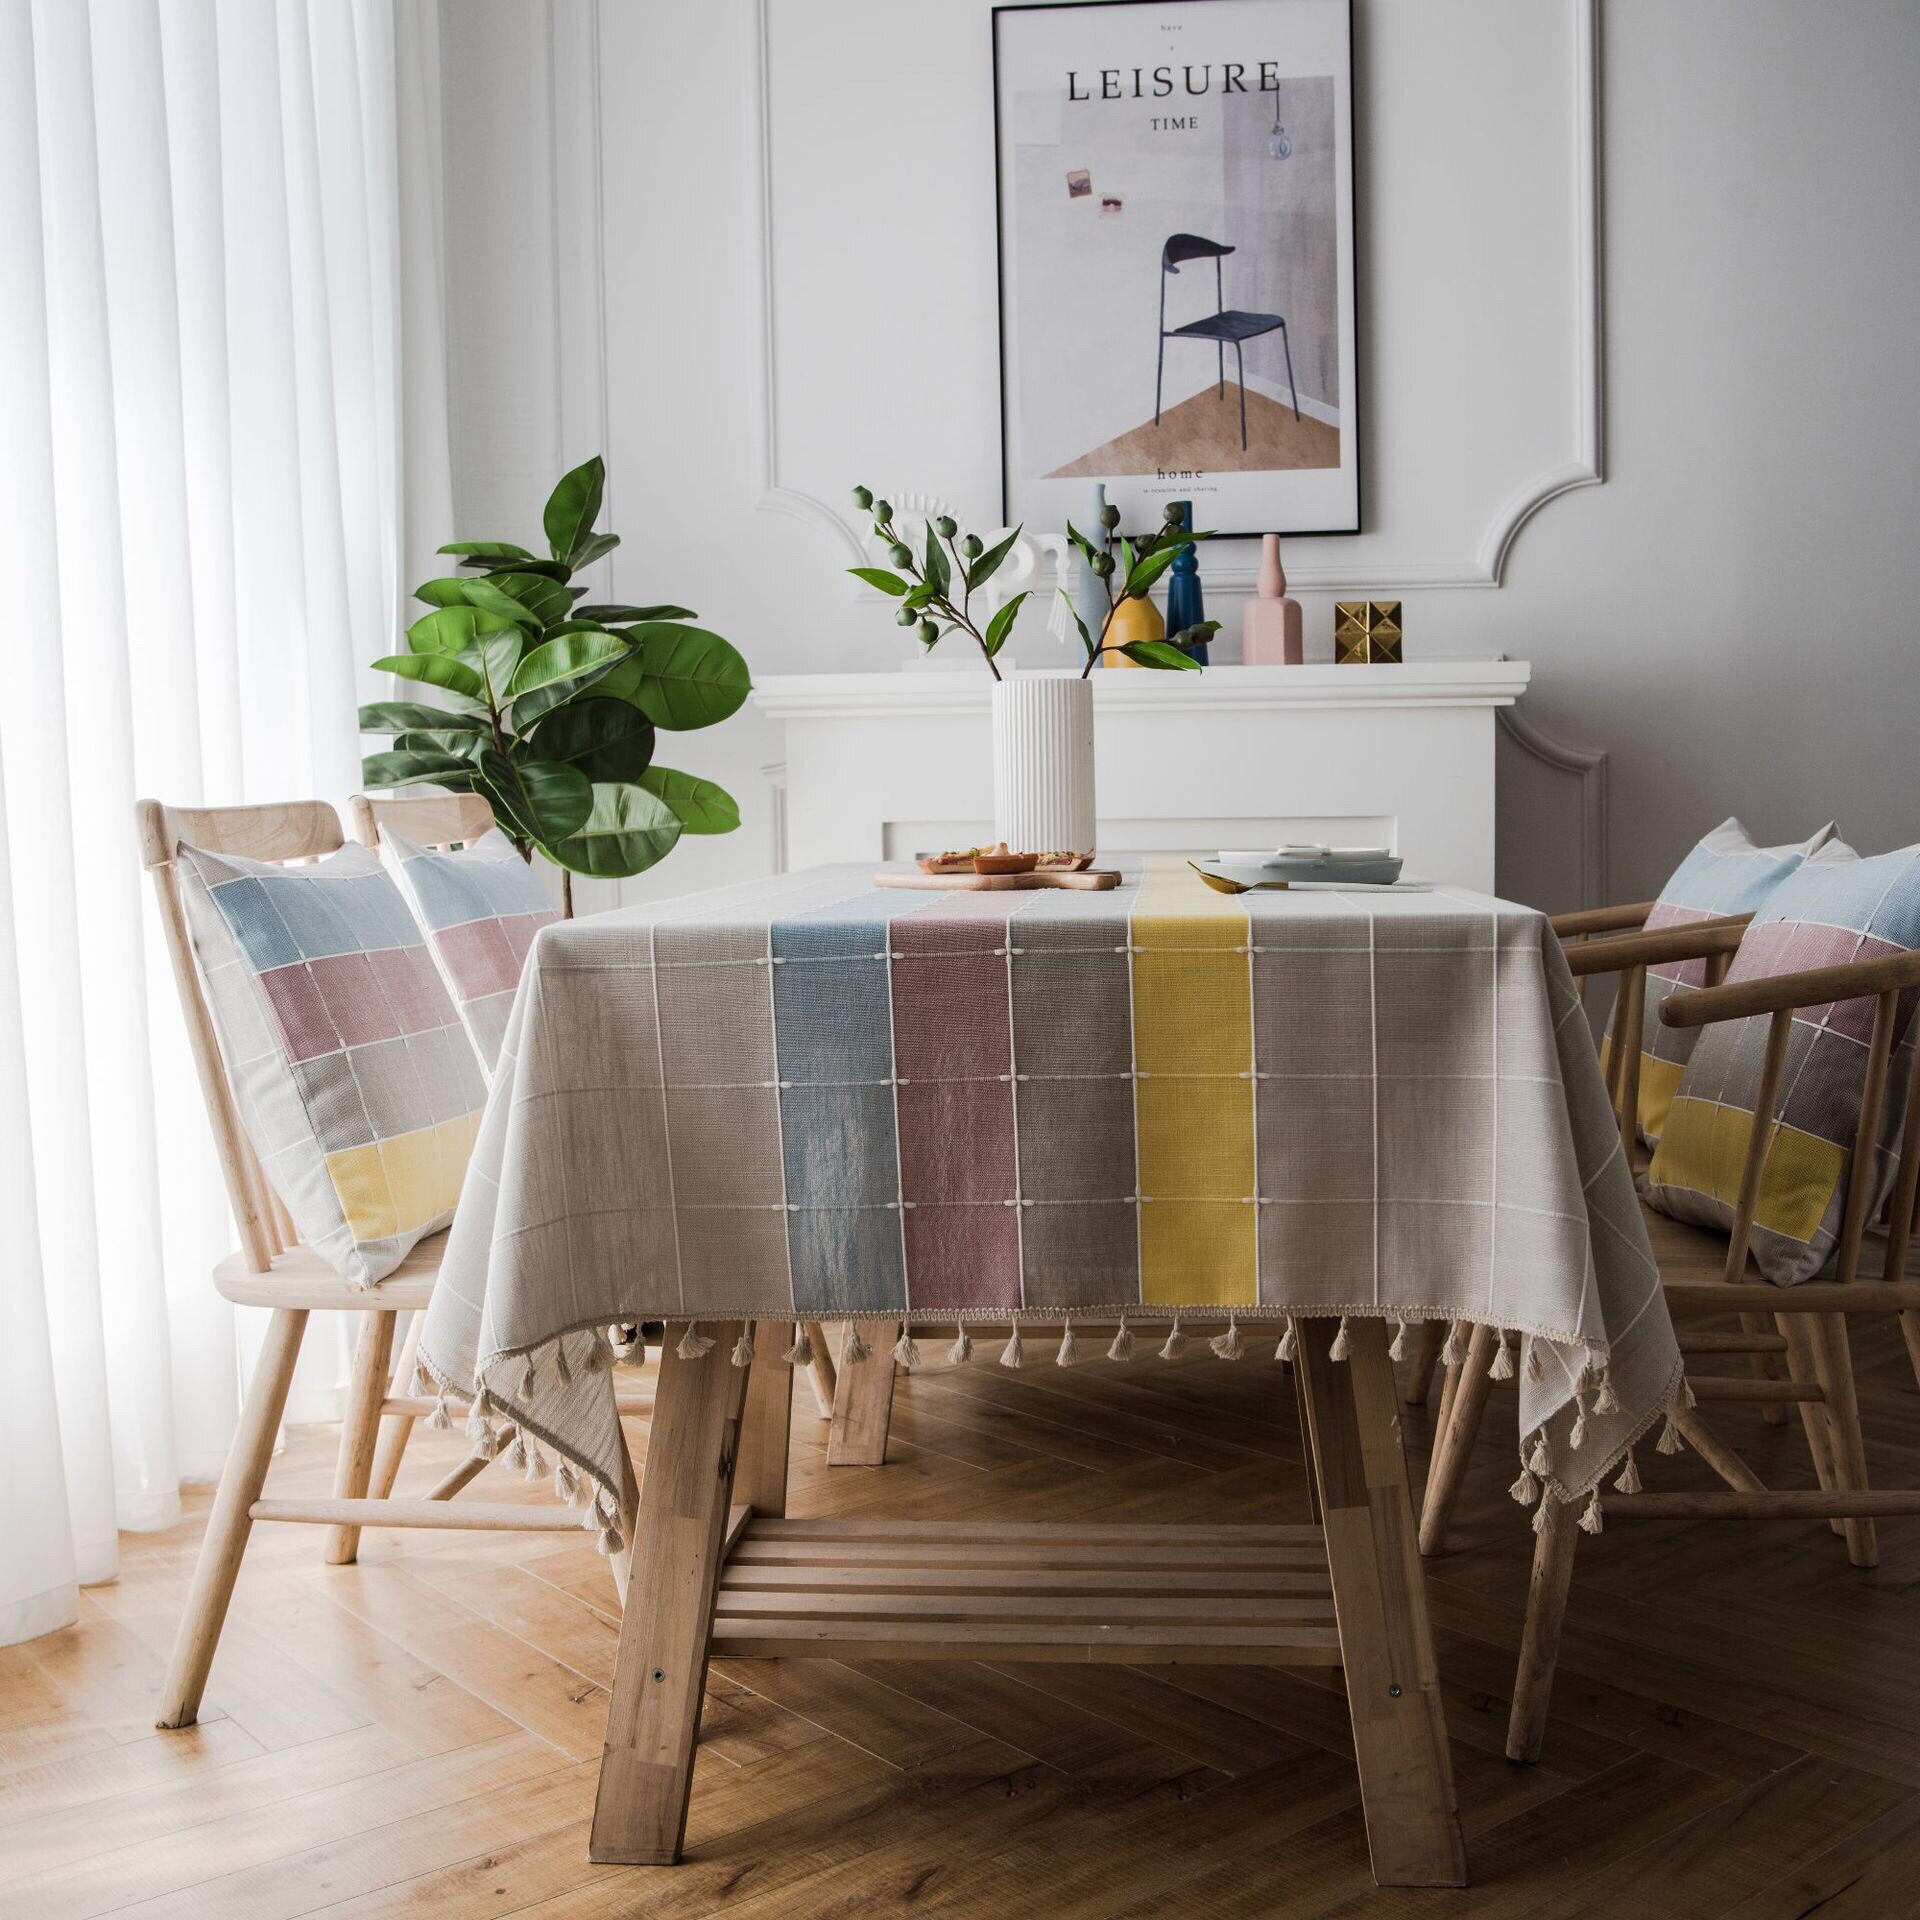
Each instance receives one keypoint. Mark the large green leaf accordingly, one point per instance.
(406, 769)
(626, 831)
(1144, 573)
(1002, 624)
(596, 546)
(545, 569)
(573, 507)
(617, 613)
(438, 740)
(531, 708)
(680, 677)
(543, 800)
(988, 564)
(605, 739)
(439, 669)
(565, 659)
(699, 805)
(1159, 653)
(410, 716)
(450, 591)
(494, 657)
(486, 549)
(453, 629)
(526, 599)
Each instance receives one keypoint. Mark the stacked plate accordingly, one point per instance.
(1307, 866)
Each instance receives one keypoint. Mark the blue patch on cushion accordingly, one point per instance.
(311, 910)
(448, 894)
(262, 934)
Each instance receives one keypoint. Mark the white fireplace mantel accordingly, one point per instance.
(884, 765)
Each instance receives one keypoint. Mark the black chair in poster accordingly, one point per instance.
(1225, 326)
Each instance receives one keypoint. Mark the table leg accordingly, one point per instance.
(766, 1425)
(820, 1374)
(1380, 1604)
(862, 1409)
(653, 1720)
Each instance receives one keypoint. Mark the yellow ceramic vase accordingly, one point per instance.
(1132, 620)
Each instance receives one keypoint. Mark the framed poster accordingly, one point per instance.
(1176, 261)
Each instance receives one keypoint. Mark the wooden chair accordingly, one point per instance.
(273, 1270)
(1707, 1276)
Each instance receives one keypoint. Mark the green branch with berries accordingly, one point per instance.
(925, 584)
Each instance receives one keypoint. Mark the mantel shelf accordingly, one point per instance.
(1419, 683)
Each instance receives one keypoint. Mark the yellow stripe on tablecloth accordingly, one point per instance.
(1193, 1049)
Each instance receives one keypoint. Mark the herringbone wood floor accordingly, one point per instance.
(1736, 1731)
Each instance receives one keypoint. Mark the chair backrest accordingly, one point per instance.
(285, 832)
(1189, 246)
(437, 820)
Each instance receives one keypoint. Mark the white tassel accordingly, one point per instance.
(1010, 1354)
(601, 1357)
(517, 1450)
(1577, 1434)
(566, 1483)
(962, 1349)
(1590, 1521)
(1540, 1461)
(561, 1365)
(1069, 1353)
(1176, 1341)
(439, 1420)
(608, 1542)
(1288, 1346)
(1686, 1396)
(536, 1461)
(1340, 1349)
(694, 1345)
(1535, 1369)
(1453, 1353)
(743, 1347)
(800, 1354)
(1122, 1348)
(479, 1427)
(1670, 1441)
(906, 1350)
(1227, 1345)
(525, 1389)
(1398, 1349)
(1502, 1368)
(857, 1349)
(1540, 1517)
(1606, 1400)
(1629, 1480)
(1526, 1489)
(622, 1337)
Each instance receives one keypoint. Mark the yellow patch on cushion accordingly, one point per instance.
(1659, 1082)
(366, 1197)
(1704, 1149)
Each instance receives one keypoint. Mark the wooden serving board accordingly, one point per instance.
(1090, 880)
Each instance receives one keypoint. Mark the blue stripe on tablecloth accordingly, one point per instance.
(833, 1036)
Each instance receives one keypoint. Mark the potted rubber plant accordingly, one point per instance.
(550, 705)
(1043, 784)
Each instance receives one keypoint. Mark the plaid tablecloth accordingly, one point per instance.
(807, 1097)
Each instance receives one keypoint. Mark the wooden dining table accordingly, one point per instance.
(1285, 1125)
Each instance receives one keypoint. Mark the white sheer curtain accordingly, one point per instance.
(223, 450)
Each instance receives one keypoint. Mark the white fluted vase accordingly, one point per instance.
(1043, 763)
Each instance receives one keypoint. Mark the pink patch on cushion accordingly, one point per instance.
(479, 959)
(1684, 973)
(413, 989)
(520, 929)
(353, 996)
(306, 1026)
(1795, 946)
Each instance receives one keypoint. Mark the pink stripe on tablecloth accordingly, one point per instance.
(953, 1054)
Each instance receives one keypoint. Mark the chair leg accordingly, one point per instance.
(862, 1411)
(397, 1429)
(231, 1520)
(1159, 368)
(1286, 346)
(622, 1562)
(1814, 1422)
(766, 1428)
(1453, 1445)
(1833, 1367)
(1240, 374)
(820, 1375)
(1428, 1339)
(360, 1427)
(1547, 1588)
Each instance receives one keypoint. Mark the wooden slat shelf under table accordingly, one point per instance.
(905, 1590)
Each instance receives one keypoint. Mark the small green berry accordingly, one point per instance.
(905, 617)
(970, 546)
(882, 512)
(862, 498)
(1102, 564)
(900, 554)
(945, 527)
(1109, 517)
(929, 631)
(1172, 514)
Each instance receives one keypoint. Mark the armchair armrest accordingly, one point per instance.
(1783, 992)
(1697, 940)
(1600, 920)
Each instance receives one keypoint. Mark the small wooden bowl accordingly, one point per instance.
(1001, 861)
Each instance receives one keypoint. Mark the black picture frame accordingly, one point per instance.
(1014, 504)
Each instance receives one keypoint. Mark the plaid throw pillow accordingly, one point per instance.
(354, 1082)
(1836, 908)
(1724, 874)
(480, 910)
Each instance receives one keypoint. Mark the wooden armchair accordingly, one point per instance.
(1707, 1277)
(273, 1269)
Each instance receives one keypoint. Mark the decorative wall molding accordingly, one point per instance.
(1589, 764)
(1485, 568)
